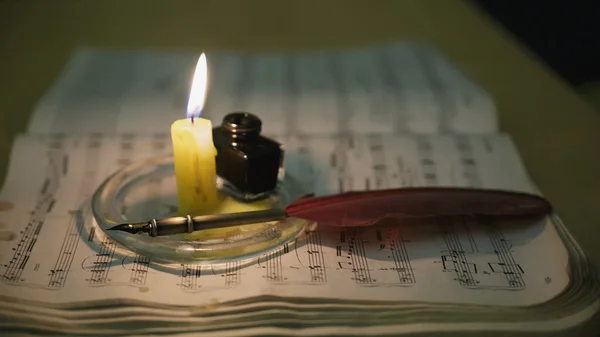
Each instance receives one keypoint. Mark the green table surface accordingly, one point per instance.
(557, 132)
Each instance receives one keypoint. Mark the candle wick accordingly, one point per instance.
(192, 118)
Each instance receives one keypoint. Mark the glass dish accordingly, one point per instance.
(146, 190)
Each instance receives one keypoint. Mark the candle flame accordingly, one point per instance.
(198, 90)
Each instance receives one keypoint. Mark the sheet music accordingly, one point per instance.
(403, 116)
(398, 88)
(56, 251)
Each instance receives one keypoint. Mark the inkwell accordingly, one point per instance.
(249, 163)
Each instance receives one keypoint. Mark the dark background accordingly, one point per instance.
(565, 34)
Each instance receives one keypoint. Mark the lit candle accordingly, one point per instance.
(194, 152)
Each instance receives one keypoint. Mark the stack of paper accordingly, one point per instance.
(392, 116)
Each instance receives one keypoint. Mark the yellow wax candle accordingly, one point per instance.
(195, 172)
(194, 152)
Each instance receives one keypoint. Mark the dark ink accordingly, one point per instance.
(246, 159)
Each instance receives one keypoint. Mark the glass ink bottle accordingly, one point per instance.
(246, 160)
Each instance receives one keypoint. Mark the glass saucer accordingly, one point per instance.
(147, 190)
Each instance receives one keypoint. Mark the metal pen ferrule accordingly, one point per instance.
(189, 224)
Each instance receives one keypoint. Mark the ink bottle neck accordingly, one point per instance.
(241, 126)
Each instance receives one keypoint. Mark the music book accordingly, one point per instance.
(377, 117)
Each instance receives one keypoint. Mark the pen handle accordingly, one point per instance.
(366, 208)
(189, 224)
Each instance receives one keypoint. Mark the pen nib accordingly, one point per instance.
(132, 228)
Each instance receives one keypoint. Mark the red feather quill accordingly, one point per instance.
(366, 208)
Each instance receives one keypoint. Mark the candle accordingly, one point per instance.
(194, 152)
